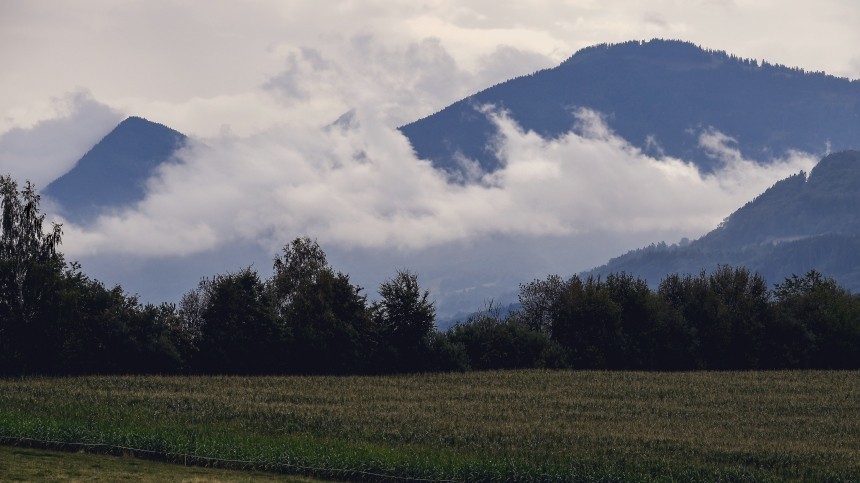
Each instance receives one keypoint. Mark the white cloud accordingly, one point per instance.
(204, 117)
(359, 185)
(46, 150)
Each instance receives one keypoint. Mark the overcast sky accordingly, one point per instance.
(204, 67)
(257, 82)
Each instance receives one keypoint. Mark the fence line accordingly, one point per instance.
(186, 457)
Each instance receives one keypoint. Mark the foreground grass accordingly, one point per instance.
(26, 464)
(518, 425)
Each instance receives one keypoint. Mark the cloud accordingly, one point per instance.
(48, 149)
(357, 184)
(204, 71)
(497, 65)
(737, 174)
(366, 72)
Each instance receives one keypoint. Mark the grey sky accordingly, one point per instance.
(197, 66)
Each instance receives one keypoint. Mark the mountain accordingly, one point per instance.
(112, 175)
(659, 96)
(800, 223)
(767, 108)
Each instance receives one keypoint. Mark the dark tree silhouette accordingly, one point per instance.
(31, 269)
(404, 317)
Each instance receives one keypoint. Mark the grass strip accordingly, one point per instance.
(28, 464)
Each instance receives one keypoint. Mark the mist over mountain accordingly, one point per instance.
(336, 182)
(113, 174)
(801, 223)
(661, 96)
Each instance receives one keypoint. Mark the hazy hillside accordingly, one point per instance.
(799, 224)
(658, 95)
(112, 174)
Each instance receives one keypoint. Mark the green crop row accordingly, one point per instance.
(493, 426)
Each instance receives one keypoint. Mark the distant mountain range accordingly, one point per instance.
(800, 223)
(113, 174)
(659, 96)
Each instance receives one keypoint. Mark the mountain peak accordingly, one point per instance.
(668, 50)
(112, 175)
(132, 122)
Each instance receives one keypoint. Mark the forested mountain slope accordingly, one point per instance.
(659, 96)
(113, 173)
(798, 224)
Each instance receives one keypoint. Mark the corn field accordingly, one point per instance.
(491, 426)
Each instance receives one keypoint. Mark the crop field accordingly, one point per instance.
(491, 426)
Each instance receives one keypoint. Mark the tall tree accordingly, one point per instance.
(538, 299)
(299, 265)
(818, 322)
(404, 316)
(331, 327)
(744, 312)
(31, 270)
(232, 325)
(325, 315)
(587, 322)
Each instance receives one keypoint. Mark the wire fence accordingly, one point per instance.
(195, 460)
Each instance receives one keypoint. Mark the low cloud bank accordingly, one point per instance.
(357, 184)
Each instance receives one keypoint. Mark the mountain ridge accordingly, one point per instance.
(800, 223)
(658, 95)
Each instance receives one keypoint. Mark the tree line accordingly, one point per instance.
(307, 318)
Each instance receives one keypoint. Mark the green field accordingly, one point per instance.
(517, 425)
